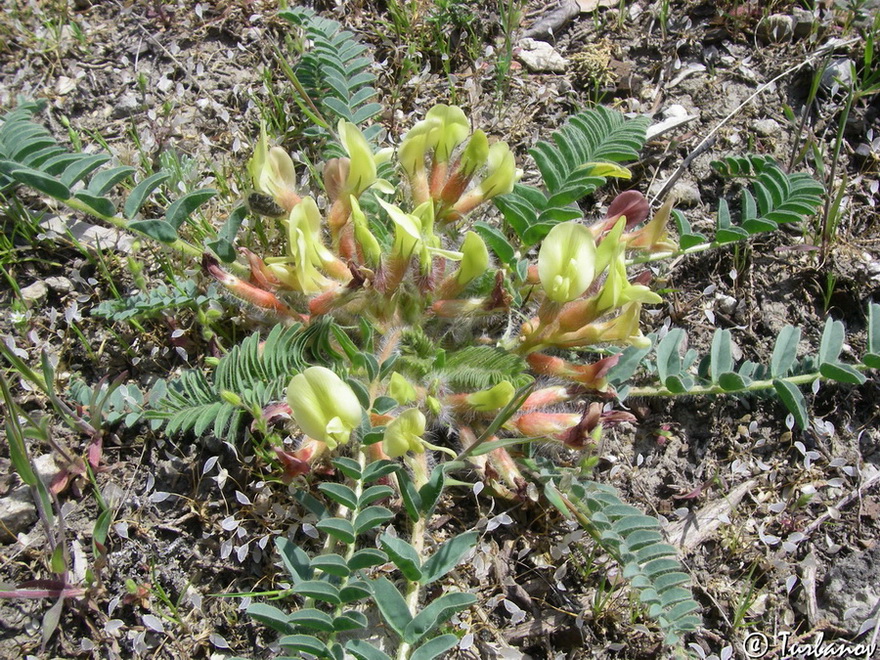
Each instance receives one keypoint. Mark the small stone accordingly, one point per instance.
(687, 194)
(837, 72)
(17, 513)
(852, 589)
(804, 20)
(726, 305)
(540, 57)
(35, 292)
(65, 85)
(766, 127)
(59, 284)
(93, 236)
(776, 28)
(46, 468)
(126, 106)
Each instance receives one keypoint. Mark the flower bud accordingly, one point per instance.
(475, 154)
(405, 434)
(231, 398)
(502, 172)
(475, 258)
(434, 405)
(401, 390)
(450, 130)
(305, 249)
(324, 406)
(654, 236)
(566, 261)
(492, 399)
(335, 176)
(370, 248)
(273, 173)
(407, 231)
(362, 168)
(622, 328)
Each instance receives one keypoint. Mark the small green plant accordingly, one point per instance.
(510, 12)
(335, 581)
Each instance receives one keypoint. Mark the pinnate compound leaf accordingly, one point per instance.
(434, 648)
(647, 562)
(271, 616)
(179, 211)
(370, 518)
(785, 351)
(158, 230)
(447, 556)
(312, 619)
(340, 493)
(306, 644)
(832, 342)
(392, 605)
(403, 555)
(142, 191)
(436, 613)
(363, 650)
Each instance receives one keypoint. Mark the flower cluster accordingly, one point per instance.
(361, 256)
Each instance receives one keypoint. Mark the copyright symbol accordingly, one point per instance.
(756, 645)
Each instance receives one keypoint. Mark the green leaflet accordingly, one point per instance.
(597, 135)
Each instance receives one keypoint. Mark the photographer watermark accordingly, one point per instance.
(757, 645)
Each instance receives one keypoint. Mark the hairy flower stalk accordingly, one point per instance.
(591, 376)
(248, 292)
(499, 471)
(501, 175)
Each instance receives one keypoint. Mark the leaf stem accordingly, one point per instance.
(755, 386)
(179, 245)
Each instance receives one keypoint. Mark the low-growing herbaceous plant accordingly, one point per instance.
(428, 324)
